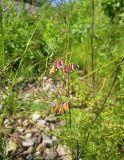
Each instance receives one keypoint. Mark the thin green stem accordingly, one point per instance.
(68, 90)
(92, 47)
(2, 51)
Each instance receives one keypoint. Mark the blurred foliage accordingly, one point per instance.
(22, 42)
(113, 8)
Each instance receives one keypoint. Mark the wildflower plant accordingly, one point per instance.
(64, 74)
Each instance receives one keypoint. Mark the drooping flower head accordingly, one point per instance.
(62, 108)
(69, 68)
(58, 64)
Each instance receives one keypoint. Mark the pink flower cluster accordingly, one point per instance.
(59, 64)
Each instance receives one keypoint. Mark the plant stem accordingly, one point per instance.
(2, 53)
(68, 89)
(77, 152)
(92, 48)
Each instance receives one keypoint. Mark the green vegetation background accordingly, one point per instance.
(31, 40)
